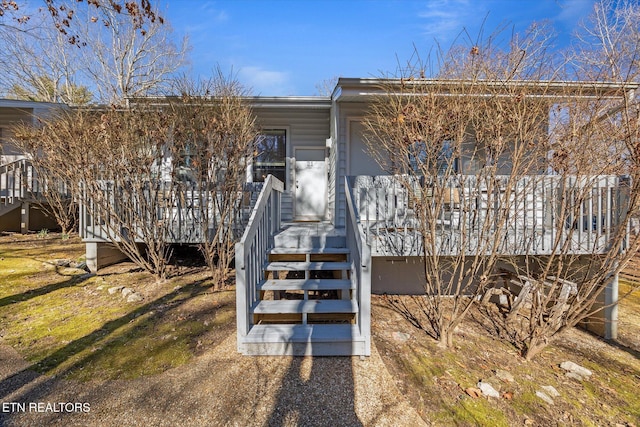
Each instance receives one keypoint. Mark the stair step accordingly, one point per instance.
(302, 333)
(314, 251)
(306, 306)
(306, 285)
(307, 266)
(305, 340)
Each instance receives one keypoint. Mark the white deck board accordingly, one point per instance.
(307, 285)
(304, 266)
(306, 306)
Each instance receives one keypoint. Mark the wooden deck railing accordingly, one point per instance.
(179, 207)
(251, 250)
(533, 215)
(360, 264)
(17, 182)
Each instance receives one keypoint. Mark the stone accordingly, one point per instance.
(574, 376)
(62, 262)
(126, 292)
(488, 390)
(82, 266)
(504, 376)
(134, 298)
(550, 390)
(115, 289)
(544, 397)
(576, 369)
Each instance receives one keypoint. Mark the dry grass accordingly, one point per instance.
(64, 324)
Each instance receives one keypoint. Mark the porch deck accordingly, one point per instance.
(534, 215)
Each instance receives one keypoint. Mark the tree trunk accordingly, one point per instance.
(534, 347)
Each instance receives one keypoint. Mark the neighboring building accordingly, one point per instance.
(17, 212)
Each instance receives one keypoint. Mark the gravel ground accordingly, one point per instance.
(220, 387)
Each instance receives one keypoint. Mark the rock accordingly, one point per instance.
(134, 298)
(504, 376)
(62, 262)
(126, 292)
(544, 397)
(550, 390)
(99, 288)
(82, 266)
(488, 390)
(575, 376)
(115, 289)
(400, 336)
(571, 367)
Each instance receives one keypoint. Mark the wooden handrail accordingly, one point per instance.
(251, 251)
(360, 265)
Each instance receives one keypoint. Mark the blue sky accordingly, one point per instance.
(287, 47)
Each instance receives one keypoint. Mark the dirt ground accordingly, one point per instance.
(73, 353)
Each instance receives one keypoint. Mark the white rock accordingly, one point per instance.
(115, 289)
(550, 390)
(488, 390)
(575, 376)
(575, 368)
(134, 298)
(126, 292)
(544, 397)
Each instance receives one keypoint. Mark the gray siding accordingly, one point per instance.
(306, 127)
(345, 112)
(8, 118)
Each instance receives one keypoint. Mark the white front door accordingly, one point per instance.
(311, 184)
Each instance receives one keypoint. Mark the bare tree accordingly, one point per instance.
(129, 62)
(459, 145)
(326, 86)
(126, 51)
(53, 188)
(39, 64)
(14, 14)
(593, 161)
(154, 174)
(212, 138)
(114, 158)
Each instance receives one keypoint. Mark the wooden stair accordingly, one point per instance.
(307, 304)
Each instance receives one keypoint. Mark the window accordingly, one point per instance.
(418, 155)
(270, 155)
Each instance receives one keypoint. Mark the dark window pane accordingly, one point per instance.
(270, 155)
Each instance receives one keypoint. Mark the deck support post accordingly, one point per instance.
(102, 254)
(611, 309)
(605, 322)
(24, 217)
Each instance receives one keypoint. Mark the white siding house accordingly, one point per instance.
(330, 225)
